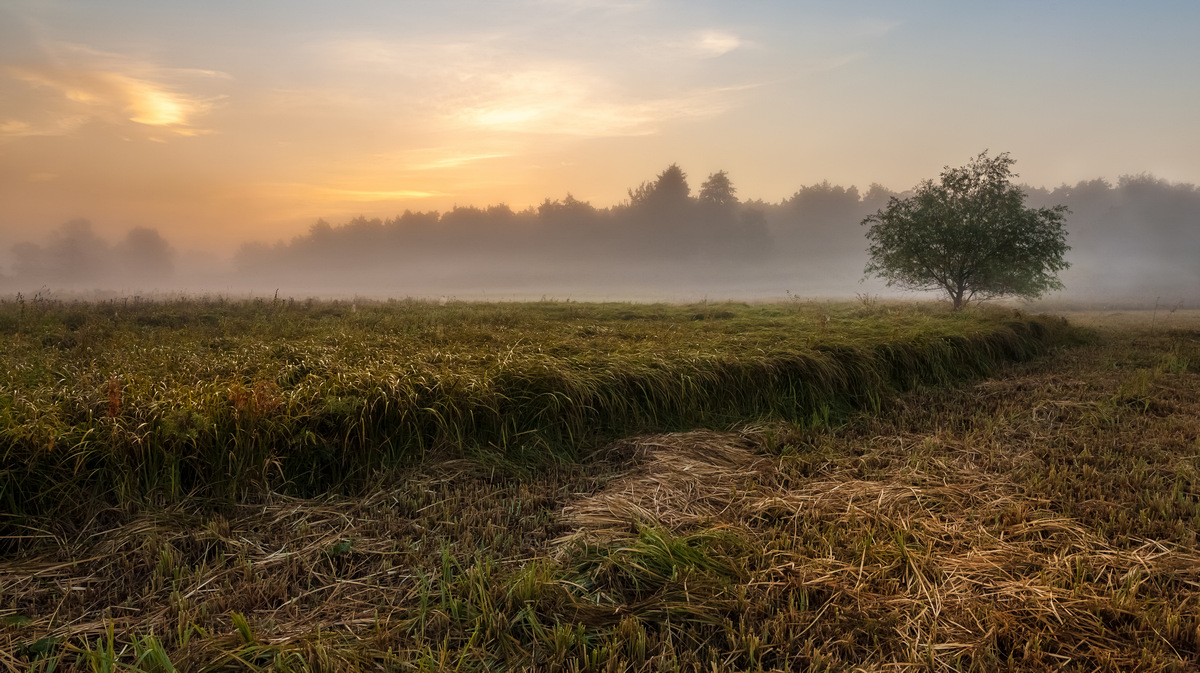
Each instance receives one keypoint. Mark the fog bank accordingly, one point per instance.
(1136, 241)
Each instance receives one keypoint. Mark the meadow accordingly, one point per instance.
(220, 485)
(107, 404)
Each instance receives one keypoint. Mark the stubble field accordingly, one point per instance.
(597, 487)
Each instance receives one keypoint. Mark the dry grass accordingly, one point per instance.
(1043, 519)
(678, 481)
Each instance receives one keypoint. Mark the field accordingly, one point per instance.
(213, 485)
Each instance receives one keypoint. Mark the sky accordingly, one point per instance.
(220, 122)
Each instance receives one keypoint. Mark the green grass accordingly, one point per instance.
(116, 404)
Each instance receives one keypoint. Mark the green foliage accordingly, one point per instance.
(970, 235)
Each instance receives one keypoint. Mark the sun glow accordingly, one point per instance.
(375, 194)
(94, 88)
(154, 106)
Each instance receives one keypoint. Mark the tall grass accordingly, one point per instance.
(117, 403)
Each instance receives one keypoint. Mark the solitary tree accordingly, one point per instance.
(970, 235)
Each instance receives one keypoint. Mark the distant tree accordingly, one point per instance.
(669, 190)
(412, 227)
(500, 211)
(253, 258)
(568, 211)
(824, 199)
(752, 236)
(145, 255)
(320, 231)
(718, 191)
(76, 254)
(823, 218)
(877, 196)
(969, 235)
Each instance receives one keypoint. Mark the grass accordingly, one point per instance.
(115, 405)
(859, 499)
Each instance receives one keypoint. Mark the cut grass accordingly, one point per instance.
(1042, 519)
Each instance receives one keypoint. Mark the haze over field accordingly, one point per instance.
(481, 147)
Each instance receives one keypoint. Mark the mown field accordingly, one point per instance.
(556, 486)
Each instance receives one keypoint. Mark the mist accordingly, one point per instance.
(75, 257)
(1132, 242)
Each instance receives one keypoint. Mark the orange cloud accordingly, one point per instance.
(339, 193)
(47, 126)
(442, 158)
(482, 85)
(557, 101)
(374, 195)
(92, 85)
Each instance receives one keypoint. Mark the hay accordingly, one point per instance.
(680, 481)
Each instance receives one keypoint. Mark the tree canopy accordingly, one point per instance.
(969, 235)
(669, 190)
(718, 191)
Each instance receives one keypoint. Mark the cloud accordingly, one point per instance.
(549, 104)
(375, 195)
(445, 158)
(712, 43)
(487, 83)
(341, 190)
(558, 100)
(565, 99)
(50, 126)
(88, 85)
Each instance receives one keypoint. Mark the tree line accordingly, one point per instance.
(1138, 235)
(662, 229)
(74, 255)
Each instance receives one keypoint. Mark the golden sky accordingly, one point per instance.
(221, 122)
